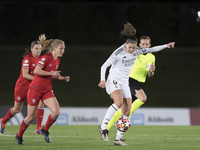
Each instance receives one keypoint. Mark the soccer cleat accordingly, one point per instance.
(46, 135)
(38, 131)
(19, 140)
(2, 126)
(119, 142)
(104, 134)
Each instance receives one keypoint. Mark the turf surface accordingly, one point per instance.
(84, 137)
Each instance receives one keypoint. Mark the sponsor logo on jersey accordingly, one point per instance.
(26, 61)
(124, 57)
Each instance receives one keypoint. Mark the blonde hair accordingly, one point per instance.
(49, 44)
(130, 32)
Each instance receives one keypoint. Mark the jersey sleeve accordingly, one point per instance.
(108, 63)
(150, 50)
(26, 63)
(43, 61)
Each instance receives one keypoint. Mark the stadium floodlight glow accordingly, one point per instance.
(198, 18)
(198, 13)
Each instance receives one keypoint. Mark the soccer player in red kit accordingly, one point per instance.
(31, 57)
(41, 86)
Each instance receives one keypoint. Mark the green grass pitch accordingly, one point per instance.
(85, 137)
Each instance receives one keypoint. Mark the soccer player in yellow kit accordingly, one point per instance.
(144, 65)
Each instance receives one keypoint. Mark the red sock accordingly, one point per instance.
(49, 122)
(22, 128)
(8, 116)
(39, 117)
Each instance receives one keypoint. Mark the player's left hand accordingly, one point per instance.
(152, 68)
(171, 45)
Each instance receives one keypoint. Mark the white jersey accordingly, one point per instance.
(122, 62)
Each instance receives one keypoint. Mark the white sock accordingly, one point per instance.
(126, 117)
(119, 135)
(108, 116)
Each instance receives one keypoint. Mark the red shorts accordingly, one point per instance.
(34, 96)
(20, 94)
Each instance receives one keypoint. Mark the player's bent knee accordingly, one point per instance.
(56, 114)
(15, 111)
(143, 99)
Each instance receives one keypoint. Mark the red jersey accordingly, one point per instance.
(48, 63)
(29, 62)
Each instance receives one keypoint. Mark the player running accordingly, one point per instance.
(143, 66)
(31, 57)
(41, 86)
(117, 83)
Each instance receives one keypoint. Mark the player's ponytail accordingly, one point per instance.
(49, 44)
(29, 49)
(44, 43)
(130, 32)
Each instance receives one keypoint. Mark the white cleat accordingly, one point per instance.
(119, 142)
(104, 134)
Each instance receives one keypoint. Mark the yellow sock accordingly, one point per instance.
(135, 105)
(116, 116)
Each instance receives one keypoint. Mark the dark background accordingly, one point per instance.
(91, 30)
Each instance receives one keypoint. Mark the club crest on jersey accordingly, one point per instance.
(134, 54)
(26, 61)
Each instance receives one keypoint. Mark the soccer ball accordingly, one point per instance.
(123, 124)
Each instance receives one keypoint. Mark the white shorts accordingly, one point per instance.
(113, 85)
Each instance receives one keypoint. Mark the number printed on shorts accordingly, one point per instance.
(114, 82)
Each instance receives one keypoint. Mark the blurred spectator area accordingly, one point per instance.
(98, 23)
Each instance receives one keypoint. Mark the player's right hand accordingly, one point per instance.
(102, 84)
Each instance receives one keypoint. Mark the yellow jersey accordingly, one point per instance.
(141, 67)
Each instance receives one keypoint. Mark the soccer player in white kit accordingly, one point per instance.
(117, 83)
